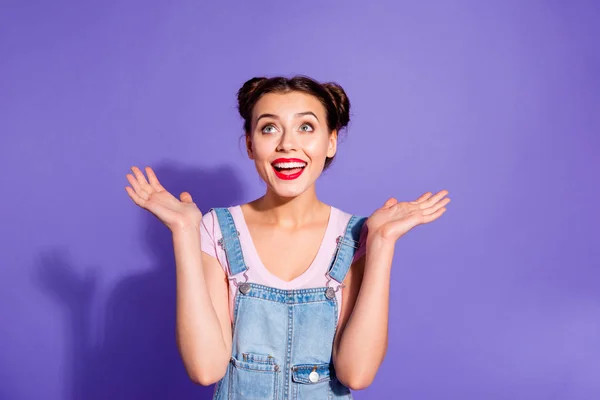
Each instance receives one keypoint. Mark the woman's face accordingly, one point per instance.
(289, 141)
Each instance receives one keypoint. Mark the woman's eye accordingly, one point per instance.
(306, 128)
(268, 129)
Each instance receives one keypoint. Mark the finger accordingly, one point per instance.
(186, 197)
(136, 186)
(390, 202)
(154, 180)
(134, 196)
(141, 178)
(440, 204)
(423, 197)
(433, 199)
(133, 182)
(432, 217)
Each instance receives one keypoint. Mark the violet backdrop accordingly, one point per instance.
(498, 102)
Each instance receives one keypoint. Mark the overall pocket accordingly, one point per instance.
(311, 381)
(253, 377)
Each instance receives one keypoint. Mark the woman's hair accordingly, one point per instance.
(331, 95)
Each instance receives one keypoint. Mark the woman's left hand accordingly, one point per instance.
(394, 219)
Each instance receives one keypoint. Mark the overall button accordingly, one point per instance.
(313, 377)
(330, 293)
(244, 288)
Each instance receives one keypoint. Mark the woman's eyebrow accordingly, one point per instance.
(301, 114)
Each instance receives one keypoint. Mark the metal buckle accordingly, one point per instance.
(330, 291)
(243, 287)
(221, 242)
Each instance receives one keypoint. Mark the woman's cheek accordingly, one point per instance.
(263, 150)
(316, 148)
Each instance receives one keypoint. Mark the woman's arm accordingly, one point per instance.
(361, 342)
(203, 322)
(362, 339)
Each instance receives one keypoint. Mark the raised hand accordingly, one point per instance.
(395, 218)
(152, 196)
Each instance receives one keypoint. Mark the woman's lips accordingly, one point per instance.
(288, 168)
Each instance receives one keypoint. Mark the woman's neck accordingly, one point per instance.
(290, 212)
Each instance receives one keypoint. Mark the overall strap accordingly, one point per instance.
(346, 248)
(230, 242)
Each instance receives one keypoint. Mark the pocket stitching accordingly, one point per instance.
(258, 359)
(254, 366)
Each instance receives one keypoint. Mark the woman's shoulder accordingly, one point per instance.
(344, 215)
(354, 224)
(211, 214)
(212, 218)
(342, 219)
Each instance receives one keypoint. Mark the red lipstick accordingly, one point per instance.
(288, 168)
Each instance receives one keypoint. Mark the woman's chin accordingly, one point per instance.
(288, 193)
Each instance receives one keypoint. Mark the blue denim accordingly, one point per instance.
(283, 339)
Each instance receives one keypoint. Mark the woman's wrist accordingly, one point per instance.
(376, 243)
(185, 227)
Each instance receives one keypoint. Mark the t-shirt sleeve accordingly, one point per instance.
(210, 233)
(362, 244)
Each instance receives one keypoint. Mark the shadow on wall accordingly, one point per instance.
(137, 357)
(5, 395)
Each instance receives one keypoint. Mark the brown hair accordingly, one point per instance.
(331, 95)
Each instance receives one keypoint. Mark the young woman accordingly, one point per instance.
(284, 297)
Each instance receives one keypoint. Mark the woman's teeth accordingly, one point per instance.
(289, 165)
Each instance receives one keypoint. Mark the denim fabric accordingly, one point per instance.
(283, 339)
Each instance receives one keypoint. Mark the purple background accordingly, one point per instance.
(499, 103)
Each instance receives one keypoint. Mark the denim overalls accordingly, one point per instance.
(283, 339)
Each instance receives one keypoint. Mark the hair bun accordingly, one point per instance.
(341, 101)
(246, 92)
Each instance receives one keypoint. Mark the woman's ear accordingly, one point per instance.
(332, 149)
(249, 147)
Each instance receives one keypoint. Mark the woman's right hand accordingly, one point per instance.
(152, 196)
